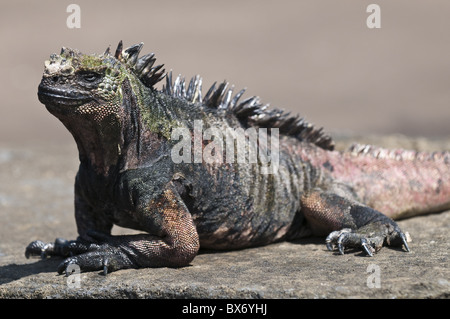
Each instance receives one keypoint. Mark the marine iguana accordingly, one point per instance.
(124, 130)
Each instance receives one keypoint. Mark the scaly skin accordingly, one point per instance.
(124, 129)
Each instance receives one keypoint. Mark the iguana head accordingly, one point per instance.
(78, 83)
(86, 92)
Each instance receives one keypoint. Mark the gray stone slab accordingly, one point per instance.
(36, 202)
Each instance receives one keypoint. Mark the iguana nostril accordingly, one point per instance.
(55, 79)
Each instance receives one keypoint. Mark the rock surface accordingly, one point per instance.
(36, 202)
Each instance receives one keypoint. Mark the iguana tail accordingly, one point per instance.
(398, 183)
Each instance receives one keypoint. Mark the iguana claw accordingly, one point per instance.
(404, 241)
(105, 266)
(369, 250)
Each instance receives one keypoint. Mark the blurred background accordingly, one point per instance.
(315, 58)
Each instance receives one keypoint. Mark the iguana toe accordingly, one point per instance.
(38, 248)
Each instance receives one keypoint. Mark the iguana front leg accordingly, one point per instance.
(349, 222)
(172, 240)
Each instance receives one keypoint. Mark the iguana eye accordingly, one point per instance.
(90, 76)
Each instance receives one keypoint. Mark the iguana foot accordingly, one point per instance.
(370, 238)
(106, 258)
(61, 248)
(88, 256)
(359, 225)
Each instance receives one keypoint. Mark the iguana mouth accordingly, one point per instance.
(48, 95)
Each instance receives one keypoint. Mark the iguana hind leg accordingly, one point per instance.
(348, 222)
